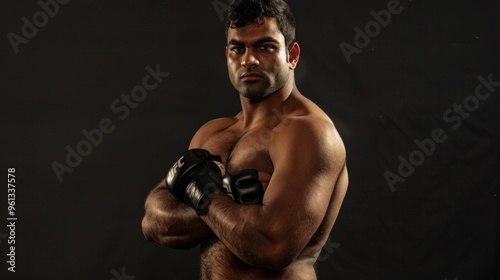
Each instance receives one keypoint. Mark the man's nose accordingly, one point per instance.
(249, 59)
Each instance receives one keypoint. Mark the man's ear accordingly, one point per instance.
(293, 55)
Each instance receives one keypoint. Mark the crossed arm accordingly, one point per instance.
(171, 222)
(307, 158)
(307, 161)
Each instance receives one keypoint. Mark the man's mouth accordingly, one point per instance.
(250, 76)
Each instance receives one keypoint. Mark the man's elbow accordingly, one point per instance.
(152, 233)
(148, 230)
(278, 256)
(150, 224)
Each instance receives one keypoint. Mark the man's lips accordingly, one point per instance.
(250, 77)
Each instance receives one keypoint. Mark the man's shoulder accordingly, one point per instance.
(216, 125)
(312, 137)
(307, 117)
(309, 126)
(210, 128)
(317, 126)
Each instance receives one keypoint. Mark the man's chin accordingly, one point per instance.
(250, 95)
(254, 96)
(252, 91)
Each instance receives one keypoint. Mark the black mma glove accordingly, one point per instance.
(244, 186)
(193, 176)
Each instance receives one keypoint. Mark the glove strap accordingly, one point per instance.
(198, 191)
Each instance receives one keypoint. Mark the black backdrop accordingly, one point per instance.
(436, 218)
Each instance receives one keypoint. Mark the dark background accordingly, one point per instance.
(442, 222)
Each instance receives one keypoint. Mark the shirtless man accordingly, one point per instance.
(278, 232)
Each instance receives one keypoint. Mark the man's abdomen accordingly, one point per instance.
(217, 262)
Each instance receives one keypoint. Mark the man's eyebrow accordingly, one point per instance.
(266, 40)
(255, 43)
(235, 42)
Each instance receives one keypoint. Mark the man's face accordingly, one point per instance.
(257, 59)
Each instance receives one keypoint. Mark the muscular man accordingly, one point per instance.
(293, 146)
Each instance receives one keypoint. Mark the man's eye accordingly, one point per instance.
(267, 48)
(238, 50)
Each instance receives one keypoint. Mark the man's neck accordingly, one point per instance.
(254, 112)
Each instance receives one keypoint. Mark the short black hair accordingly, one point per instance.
(243, 12)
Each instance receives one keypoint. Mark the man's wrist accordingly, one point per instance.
(208, 200)
(198, 191)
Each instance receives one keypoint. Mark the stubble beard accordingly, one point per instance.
(262, 88)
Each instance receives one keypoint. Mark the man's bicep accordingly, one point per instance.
(307, 162)
(301, 188)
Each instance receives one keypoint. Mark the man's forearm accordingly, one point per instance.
(247, 232)
(172, 223)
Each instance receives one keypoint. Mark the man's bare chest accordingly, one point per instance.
(242, 149)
